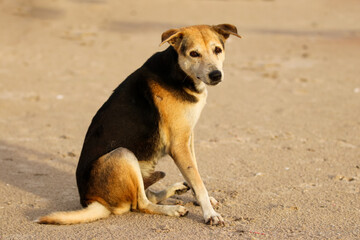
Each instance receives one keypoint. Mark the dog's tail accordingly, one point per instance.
(93, 212)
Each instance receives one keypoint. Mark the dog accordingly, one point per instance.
(152, 113)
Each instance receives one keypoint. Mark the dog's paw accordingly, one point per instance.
(179, 211)
(214, 219)
(181, 188)
(214, 202)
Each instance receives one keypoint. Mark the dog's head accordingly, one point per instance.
(201, 50)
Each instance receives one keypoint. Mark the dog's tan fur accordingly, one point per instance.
(118, 180)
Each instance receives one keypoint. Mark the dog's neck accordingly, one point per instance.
(199, 85)
(165, 64)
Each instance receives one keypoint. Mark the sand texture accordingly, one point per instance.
(278, 143)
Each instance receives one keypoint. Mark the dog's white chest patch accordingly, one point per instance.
(194, 111)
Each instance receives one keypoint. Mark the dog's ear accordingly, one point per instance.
(171, 36)
(226, 29)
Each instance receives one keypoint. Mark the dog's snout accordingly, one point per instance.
(215, 76)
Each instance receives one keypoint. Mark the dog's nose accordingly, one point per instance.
(215, 76)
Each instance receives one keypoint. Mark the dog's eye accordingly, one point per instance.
(194, 54)
(217, 50)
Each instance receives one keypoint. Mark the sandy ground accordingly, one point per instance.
(278, 142)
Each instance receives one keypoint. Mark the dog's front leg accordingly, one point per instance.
(184, 159)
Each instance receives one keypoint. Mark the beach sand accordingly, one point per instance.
(277, 144)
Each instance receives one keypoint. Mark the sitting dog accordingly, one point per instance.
(150, 114)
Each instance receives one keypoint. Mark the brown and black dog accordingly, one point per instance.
(150, 114)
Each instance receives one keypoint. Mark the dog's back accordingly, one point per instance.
(129, 118)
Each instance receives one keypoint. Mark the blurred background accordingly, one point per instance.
(277, 144)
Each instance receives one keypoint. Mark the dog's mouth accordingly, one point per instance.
(213, 83)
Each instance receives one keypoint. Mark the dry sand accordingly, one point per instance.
(278, 142)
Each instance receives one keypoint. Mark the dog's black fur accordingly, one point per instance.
(129, 118)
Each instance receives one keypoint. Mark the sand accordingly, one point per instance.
(278, 143)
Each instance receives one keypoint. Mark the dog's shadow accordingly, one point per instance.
(28, 171)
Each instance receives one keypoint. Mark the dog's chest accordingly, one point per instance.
(193, 111)
(178, 117)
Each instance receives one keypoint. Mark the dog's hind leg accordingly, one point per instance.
(117, 181)
(156, 197)
(177, 188)
(153, 178)
(143, 204)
